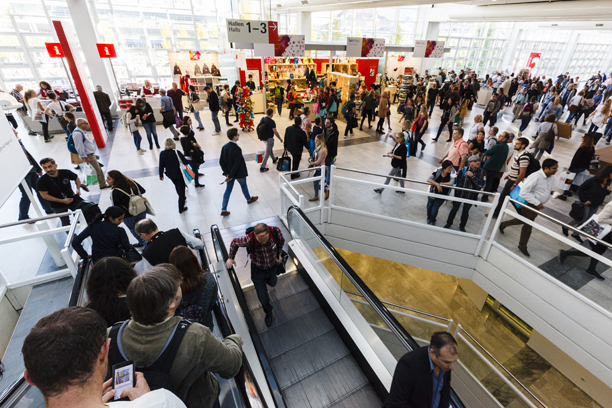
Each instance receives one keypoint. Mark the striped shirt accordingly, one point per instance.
(520, 160)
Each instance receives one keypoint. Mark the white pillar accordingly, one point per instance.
(513, 42)
(304, 24)
(568, 53)
(86, 32)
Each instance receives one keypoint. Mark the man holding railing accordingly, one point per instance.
(534, 192)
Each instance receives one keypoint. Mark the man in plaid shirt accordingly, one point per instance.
(263, 249)
(471, 177)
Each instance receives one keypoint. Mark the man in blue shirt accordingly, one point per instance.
(422, 377)
(168, 112)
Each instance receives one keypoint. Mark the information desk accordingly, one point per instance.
(54, 126)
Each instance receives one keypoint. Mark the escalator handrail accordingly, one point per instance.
(400, 332)
(74, 297)
(257, 343)
(226, 328)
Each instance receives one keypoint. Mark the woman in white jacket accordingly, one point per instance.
(132, 120)
(599, 116)
(574, 106)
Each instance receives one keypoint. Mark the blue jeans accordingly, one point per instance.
(228, 191)
(571, 116)
(593, 128)
(215, 120)
(317, 183)
(151, 129)
(24, 204)
(279, 105)
(130, 222)
(197, 117)
(59, 120)
(433, 205)
(524, 122)
(137, 139)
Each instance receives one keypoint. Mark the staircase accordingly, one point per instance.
(311, 363)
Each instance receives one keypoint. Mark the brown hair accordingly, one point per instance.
(150, 294)
(550, 118)
(261, 227)
(61, 350)
(588, 141)
(120, 181)
(192, 275)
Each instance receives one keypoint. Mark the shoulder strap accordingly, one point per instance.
(129, 195)
(163, 362)
(275, 237)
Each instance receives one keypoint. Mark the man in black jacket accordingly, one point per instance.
(295, 142)
(234, 169)
(235, 89)
(422, 377)
(213, 104)
(104, 103)
(161, 243)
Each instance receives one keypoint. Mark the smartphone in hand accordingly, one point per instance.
(124, 376)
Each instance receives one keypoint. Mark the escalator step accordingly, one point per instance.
(281, 338)
(286, 309)
(287, 285)
(300, 362)
(366, 397)
(327, 386)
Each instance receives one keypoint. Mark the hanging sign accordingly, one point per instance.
(365, 47)
(107, 50)
(252, 31)
(428, 49)
(290, 46)
(55, 50)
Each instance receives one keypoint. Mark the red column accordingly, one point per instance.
(86, 103)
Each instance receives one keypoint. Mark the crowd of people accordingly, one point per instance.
(172, 302)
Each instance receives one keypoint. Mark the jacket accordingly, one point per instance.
(331, 140)
(107, 238)
(476, 182)
(412, 385)
(383, 107)
(544, 140)
(213, 101)
(161, 245)
(199, 356)
(591, 190)
(169, 163)
(498, 155)
(147, 110)
(401, 151)
(295, 140)
(582, 159)
(103, 101)
(232, 162)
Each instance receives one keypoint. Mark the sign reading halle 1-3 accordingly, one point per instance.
(252, 31)
(55, 50)
(107, 50)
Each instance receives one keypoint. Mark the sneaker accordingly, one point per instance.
(252, 200)
(263, 169)
(48, 141)
(200, 129)
(378, 190)
(140, 152)
(274, 160)
(216, 133)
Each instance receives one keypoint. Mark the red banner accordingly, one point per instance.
(107, 50)
(273, 36)
(534, 60)
(55, 50)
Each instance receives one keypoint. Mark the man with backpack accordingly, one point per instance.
(266, 130)
(84, 147)
(172, 353)
(522, 165)
(279, 97)
(265, 245)
(74, 342)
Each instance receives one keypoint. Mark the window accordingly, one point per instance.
(542, 41)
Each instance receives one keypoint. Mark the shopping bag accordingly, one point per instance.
(38, 116)
(594, 162)
(516, 195)
(564, 181)
(178, 121)
(333, 107)
(284, 163)
(91, 177)
(188, 174)
(594, 228)
(315, 108)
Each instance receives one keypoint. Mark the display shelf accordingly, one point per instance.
(284, 71)
(349, 68)
(406, 80)
(344, 83)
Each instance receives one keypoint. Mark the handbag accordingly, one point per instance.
(178, 121)
(284, 163)
(63, 121)
(573, 108)
(333, 107)
(137, 204)
(168, 115)
(315, 108)
(594, 164)
(516, 195)
(38, 116)
(186, 171)
(131, 255)
(414, 127)
(577, 211)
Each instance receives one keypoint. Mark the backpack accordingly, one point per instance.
(137, 204)
(290, 96)
(344, 109)
(158, 373)
(70, 143)
(222, 102)
(534, 165)
(280, 267)
(277, 93)
(251, 233)
(262, 129)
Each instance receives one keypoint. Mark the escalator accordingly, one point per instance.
(315, 356)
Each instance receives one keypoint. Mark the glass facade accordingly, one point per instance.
(478, 46)
(591, 51)
(549, 43)
(397, 25)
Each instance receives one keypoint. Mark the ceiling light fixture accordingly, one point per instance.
(304, 1)
(279, 5)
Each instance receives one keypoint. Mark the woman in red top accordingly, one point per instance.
(322, 98)
(45, 88)
(148, 89)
